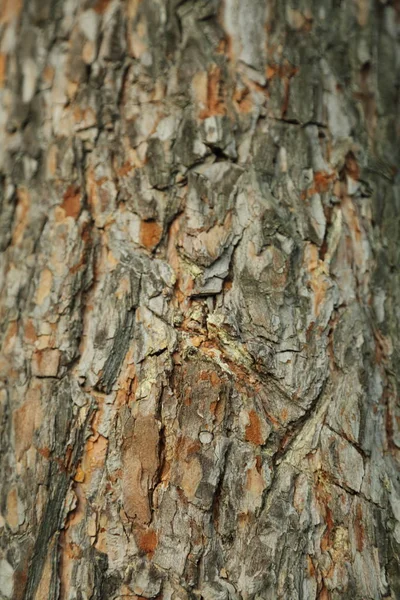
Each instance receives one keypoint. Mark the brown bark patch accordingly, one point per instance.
(140, 465)
(147, 541)
(9, 9)
(48, 74)
(319, 288)
(324, 594)
(253, 429)
(150, 234)
(21, 576)
(284, 414)
(12, 508)
(101, 6)
(93, 458)
(191, 478)
(187, 447)
(45, 362)
(3, 66)
(255, 484)
(25, 420)
(72, 201)
(45, 452)
(310, 566)
(351, 166)
(362, 12)
(43, 591)
(359, 528)
(204, 376)
(22, 215)
(30, 332)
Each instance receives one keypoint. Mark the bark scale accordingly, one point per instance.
(199, 278)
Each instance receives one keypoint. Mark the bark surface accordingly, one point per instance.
(199, 282)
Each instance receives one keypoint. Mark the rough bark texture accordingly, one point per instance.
(199, 299)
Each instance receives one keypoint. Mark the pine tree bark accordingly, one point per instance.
(198, 295)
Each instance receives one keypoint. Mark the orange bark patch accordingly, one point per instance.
(147, 541)
(93, 457)
(243, 101)
(72, 201)
(215, 100)
(3, 65)
(215, 380)
(124, 169)
(150, 234)
(324, 594)
(322, 182)
(73, 551)
(253, 429)
(45, 452)
(218, 410)
(210, 376)
(284, 70)
(79, 475)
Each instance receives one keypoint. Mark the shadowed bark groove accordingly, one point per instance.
(199, 267)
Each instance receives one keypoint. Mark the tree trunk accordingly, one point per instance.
(199, 270)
